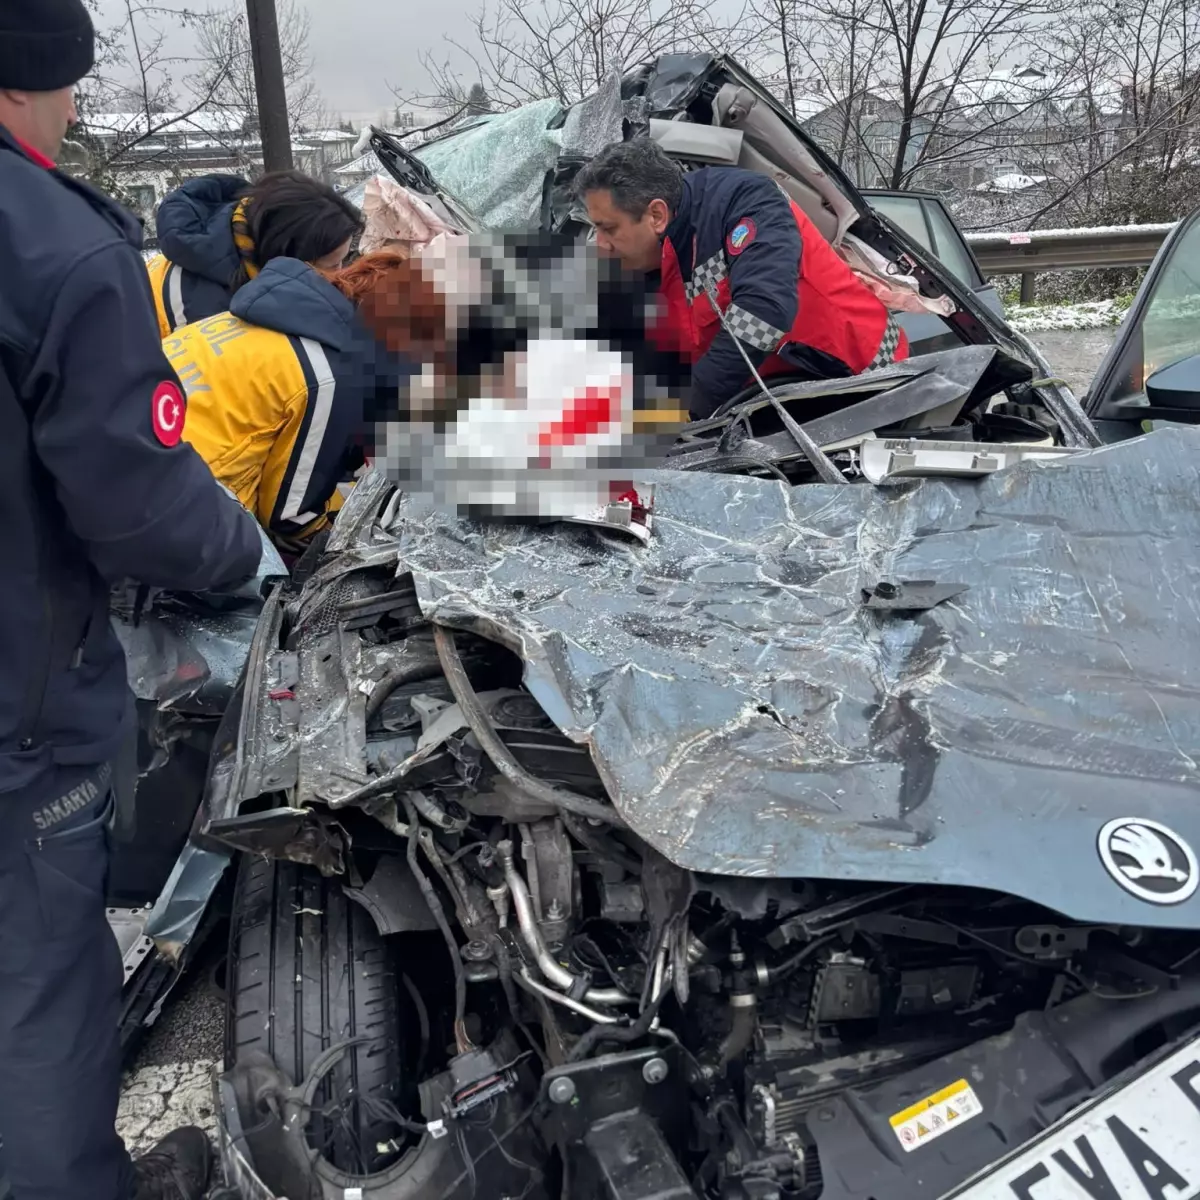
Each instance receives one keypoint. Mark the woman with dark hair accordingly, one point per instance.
(281, 389)
(217, 232)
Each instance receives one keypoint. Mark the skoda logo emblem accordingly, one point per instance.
(1149, 860)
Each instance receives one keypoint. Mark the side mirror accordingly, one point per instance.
(1173, 392)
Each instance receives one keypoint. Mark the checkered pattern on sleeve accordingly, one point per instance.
(752, 330)
(706, 276)
(888, 345)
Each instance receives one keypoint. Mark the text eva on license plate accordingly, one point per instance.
(1140, 1143)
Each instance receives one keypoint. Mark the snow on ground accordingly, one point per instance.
(992, 236)
(157, 1099)
(1094, 314)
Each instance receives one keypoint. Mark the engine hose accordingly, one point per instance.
(462, 1041)
(624, 1034)
(398, 677)
(744, 1009)
(475, 717)
(530, 984)
(504, 968)
(785, 968)
(554, 971)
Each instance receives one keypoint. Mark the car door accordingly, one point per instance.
(927, 221)
(1133, 391)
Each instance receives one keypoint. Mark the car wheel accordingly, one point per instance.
(308, 969)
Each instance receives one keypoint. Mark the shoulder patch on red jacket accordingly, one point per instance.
(168, 409)
(740, 236)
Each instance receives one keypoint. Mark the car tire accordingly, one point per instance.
(307, 969)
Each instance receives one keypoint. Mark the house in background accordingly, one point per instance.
(862, 133)
(976, 135)
(142, 156)
(320, 152)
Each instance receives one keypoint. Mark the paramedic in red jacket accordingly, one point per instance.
(736, 237)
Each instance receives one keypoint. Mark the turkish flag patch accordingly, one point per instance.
(168, 411)
(740, 236)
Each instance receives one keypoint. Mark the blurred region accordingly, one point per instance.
(546, 404)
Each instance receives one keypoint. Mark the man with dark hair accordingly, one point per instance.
(738, 259)
(95, 486)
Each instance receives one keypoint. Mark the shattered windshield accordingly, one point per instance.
(498, 166)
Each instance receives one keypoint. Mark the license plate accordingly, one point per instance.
(1139, 1143)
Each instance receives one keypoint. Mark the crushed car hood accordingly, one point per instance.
(751, 715)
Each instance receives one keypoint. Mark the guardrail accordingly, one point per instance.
(1026, 254)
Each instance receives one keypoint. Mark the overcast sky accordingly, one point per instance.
(359, 47)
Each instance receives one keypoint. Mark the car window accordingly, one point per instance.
(915, 215)
(1171, 326)
(1162, 327)
(950, 247)
(905, 211)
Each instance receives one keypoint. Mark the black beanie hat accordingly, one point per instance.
(44, 44)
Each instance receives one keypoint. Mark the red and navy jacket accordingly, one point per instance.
(790, 300)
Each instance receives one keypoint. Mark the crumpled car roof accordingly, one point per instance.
(749, 714)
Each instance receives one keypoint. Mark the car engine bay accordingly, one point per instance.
(558, 1008)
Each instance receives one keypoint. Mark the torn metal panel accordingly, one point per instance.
(928, 390)
(128, 926)
(333, 728)
(675, 79)
(749, 717)
(297, 834)
(182, 903)
(256, 748)
(161, 663)
(355, 525)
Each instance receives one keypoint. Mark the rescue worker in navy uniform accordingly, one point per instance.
(734, 239)
(95, 486)
(217, 232)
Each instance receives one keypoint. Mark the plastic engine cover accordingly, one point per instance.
(1019, 1083)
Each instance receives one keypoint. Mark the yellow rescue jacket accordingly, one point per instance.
(277, 389)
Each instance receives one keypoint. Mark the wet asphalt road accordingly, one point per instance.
(169, 1081)
(1075, 354)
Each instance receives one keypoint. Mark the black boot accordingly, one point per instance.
(176, 1169)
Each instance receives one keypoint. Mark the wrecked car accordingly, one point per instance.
(833, 837)
(514, 170)
(185, 655)
(836, 839)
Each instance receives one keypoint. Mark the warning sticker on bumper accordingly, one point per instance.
(937, 1114)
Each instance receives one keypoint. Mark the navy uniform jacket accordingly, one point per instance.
(739, 242)
(96, 484)
(191, 276)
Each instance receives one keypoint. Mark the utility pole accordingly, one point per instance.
(263, 28)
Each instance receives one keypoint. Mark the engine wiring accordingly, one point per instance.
(470, 1162)
(461, 1038)
(500, 755)
(422, 1022)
